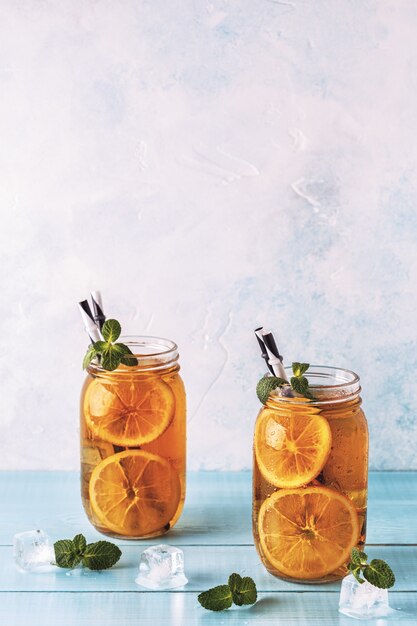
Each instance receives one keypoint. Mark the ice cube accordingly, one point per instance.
(161, 567)
(275, 434)
(363, 601)
(33, 551)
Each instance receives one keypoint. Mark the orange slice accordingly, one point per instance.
(128, 413)
(307, 533)
(134, 493)
(291, 449)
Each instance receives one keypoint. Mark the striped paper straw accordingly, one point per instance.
(88, 320)
(98, 310)
(259, 337)
(274, 357)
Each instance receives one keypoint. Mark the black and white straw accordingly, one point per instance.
(98, 311)
(259, 337)
(273, 357)
(88, 320)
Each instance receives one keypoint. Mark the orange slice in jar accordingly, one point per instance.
(307, 533)
(291, 449)
(128, 413)
(134, 493)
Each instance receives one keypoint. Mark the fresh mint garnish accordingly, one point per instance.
(239, 591)
(66, 553)
(216, 599)
(377, 572)
(79, 543)
(110, 354)
(299, 368)
(99, 555)
(298, 383)
(266, 385)
(89, 356)
(243, 589)
(111, 330)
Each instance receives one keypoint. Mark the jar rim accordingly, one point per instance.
(161, 346)
(347, 377)
(344, 386)
(152, 353)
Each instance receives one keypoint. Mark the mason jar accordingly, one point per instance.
(133, 442)
(310, 477)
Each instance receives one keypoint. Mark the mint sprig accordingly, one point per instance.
(110, 354)
(101, 555)
(240, 591)
(266, 386)
(298, 383)
(377, 572)
(97, 556)
(216, 599)
(243, 589)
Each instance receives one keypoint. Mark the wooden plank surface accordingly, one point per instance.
(217, 509)
(182, 609)
(215, 534)
(206, 566)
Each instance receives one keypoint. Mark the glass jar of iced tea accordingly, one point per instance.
(310, 478)
(133, 442)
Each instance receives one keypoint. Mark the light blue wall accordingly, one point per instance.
(210, 166)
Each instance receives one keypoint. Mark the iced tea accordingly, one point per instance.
(133, 443)
(310, 478)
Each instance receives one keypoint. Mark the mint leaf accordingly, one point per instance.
(243, 589)
(119, 349)
(110, 359)
(300, 385)
(299, 368)
(216, 599)
(125, 354)
(109, 353)
(101, 555)
(89, 356)
(126, 359)
(247, 591)
(101, 346)
(356, 572)
(66, 555)
(357, 557)
(235, 581)
(79, 543)
(299, 382)
(129, 361)
(379, 574)
(111, 330)
(266, 385)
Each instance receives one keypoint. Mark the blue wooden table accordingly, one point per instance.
(215, 534)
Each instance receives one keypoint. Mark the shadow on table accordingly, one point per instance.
(241, 615)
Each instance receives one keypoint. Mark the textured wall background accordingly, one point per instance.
(209, 166)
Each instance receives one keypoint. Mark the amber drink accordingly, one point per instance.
(310, 478)
(133, 437)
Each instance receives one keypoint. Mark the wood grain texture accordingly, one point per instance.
(182, 609)
(217, 509)
(206, 566)
(215, 534)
